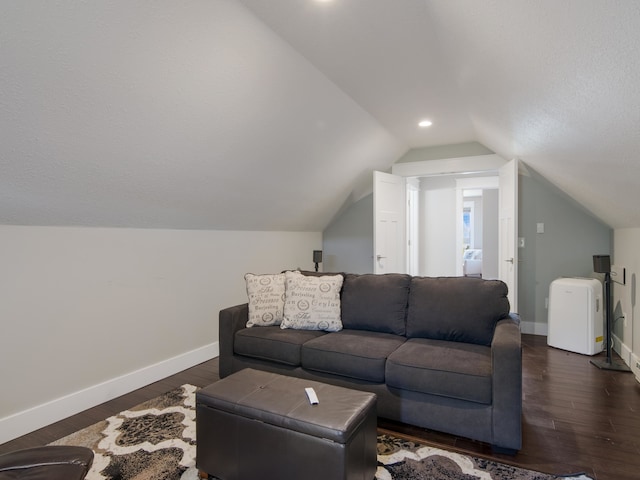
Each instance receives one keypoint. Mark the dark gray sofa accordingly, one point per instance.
(440, 353)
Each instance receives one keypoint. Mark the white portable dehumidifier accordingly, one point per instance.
(576, 315)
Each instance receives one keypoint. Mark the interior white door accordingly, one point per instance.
(389, 229)
(508, 230)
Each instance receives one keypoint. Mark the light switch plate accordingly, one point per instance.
(540, 227)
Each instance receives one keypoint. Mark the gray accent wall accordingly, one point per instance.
(347, 242)
(571, 237)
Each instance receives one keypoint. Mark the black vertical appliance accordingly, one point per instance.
(602, 264)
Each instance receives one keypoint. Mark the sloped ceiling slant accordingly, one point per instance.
(265, 115)
(166, 115)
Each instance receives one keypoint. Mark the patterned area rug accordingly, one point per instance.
(156, 441)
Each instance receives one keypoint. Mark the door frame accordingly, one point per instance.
(469, 165)
(475, 164)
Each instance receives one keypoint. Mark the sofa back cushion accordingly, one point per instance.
(375, 302)
(461, 309)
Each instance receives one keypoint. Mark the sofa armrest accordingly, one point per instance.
(506, 360)
(230, 320)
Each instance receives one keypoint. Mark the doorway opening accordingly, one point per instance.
(395, 249)
(452, 225)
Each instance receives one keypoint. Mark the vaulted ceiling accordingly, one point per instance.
(270, 114)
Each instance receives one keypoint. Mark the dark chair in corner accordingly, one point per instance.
(50, 462)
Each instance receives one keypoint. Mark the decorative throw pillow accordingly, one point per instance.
(312, 303)
(266, 299)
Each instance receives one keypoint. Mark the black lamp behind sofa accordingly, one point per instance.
(317, 258)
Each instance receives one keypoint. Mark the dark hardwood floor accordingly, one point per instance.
(576, 417)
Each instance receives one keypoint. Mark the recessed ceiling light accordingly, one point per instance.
(425, 123)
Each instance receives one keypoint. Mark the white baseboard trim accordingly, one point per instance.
(47, 413)
(626, 354)
(534, 328)
(622, 350)
(635, 366)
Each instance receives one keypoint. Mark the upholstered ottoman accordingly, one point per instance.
(260, 425)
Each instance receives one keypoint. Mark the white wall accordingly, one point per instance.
(438, 232)
(478, 214)
(348, 241)
(89, 312)
(490, 233)
(438, 223)
(626, 243)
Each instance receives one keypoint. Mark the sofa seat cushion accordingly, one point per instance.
(351, 353)
(449, 369)
(458, 309)
(273, 343)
